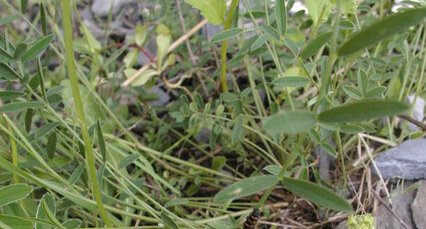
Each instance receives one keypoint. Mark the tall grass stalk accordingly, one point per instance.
(90, 159)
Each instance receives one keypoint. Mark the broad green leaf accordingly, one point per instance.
(281, 16)
(317, 194)
(290, 81)
(314, 45)
(212, 10)
(246, 187)
(5, 56)
(318, 10)
(227, 34)
(364, 110)
(270, 32)
(290, 122)
(37, 48)
(7, 95)
(353, 92)
(19, 106)
(13, 193)
(8, 73)
(382, 29)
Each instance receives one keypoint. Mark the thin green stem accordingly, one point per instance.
(90, 159)
(227, 25)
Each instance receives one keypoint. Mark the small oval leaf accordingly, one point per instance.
(8, 73)
(5, 56)
(246, 187)
(290, 81)
(361, 111)
(270, 32)
(314, 45)
(353, 92)
(37, 47)
(291, 122)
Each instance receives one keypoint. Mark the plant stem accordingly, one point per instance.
(13, 150)
(90, 159)
(227, 25)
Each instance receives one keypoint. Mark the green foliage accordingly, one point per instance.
(363, 110)
(290, 122)
(280, 13)
(313, 46)
(130, 125)
(37, 48)
(246, 187)
(213, 10)
(227, 34)
(361, 222)
(382, 29)
(13, 193)
(316, 194)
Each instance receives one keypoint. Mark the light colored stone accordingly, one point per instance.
(407, 161)
(162, 99)
(418, 110)
(401, 206)
(418, 207)
(102, 8)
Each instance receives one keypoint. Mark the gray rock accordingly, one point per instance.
(210, 30)
(407, 161)
(162, 99)
(418, 207)
(342, 225)
(418, 110)
(401, 206)
(102, 8)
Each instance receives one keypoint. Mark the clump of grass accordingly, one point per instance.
(73, 154)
